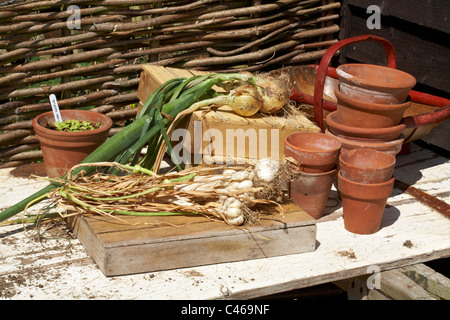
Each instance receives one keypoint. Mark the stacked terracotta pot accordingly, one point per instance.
(371, 101)
(365, 181)
(314, 158)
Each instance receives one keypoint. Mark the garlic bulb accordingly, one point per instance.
(266, 169)
(242, 175)
(236, 221)
(246, 184)
(232, 210)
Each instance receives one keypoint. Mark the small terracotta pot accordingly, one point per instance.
(383, 134)
(62, 150)
(310, 191)
(373, 83)
(349, 143)
(363, 204)
(315, 151)
(360, 113)
(366, 165)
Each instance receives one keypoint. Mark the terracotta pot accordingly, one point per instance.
(349, 143)
(360, 113)
(366, 165)
(310, 191)
(62, 150)
(373, 83)
(315, 151)
(363, 204)
(382, 134)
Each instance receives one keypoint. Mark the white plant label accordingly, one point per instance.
(55, 108)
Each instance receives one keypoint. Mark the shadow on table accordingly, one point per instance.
(415, 164)
(390, 215)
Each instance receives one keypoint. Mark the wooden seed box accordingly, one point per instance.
(145, 244)
(221, 136)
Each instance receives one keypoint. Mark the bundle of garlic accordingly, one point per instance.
(240, 190)
(231, 195)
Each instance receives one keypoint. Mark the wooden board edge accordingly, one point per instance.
(301, 219)
(247, 246)
(88, 239)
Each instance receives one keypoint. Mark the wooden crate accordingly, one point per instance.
(146, 244)
(221, 136)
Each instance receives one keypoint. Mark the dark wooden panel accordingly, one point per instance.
(434, 14)
(421, 51)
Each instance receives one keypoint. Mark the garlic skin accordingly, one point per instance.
(233, 186)
(233, 213)
(267, 169)
(232, 210)
(232, 203)
(236, 221)
(229, 172)
(246, 184)
(242, 175)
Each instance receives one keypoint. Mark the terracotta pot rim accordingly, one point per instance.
(312, 134)
(360, 131)
(316, 174)
(364, 191)
(38, 127)
(343, 155)
(410, 81)
(354, 141)
(362, 185)
(372, 106)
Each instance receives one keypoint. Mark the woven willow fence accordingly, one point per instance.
(89, 53)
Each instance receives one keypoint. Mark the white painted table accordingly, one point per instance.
(411, 233)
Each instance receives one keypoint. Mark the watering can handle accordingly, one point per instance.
(325, 62)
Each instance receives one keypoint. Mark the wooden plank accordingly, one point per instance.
(415, 282)
(430, 280)
(355, 287)
(143, 244)
(377, 295)
(400, 287)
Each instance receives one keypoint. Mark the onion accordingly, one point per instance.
(245, 100)
(274, 93)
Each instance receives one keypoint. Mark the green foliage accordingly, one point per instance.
(76, 126)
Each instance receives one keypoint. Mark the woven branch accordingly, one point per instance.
(98, 64)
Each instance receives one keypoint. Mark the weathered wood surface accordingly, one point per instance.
(143, 244)
(411, 233)
(412, 282)
(433, 282)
